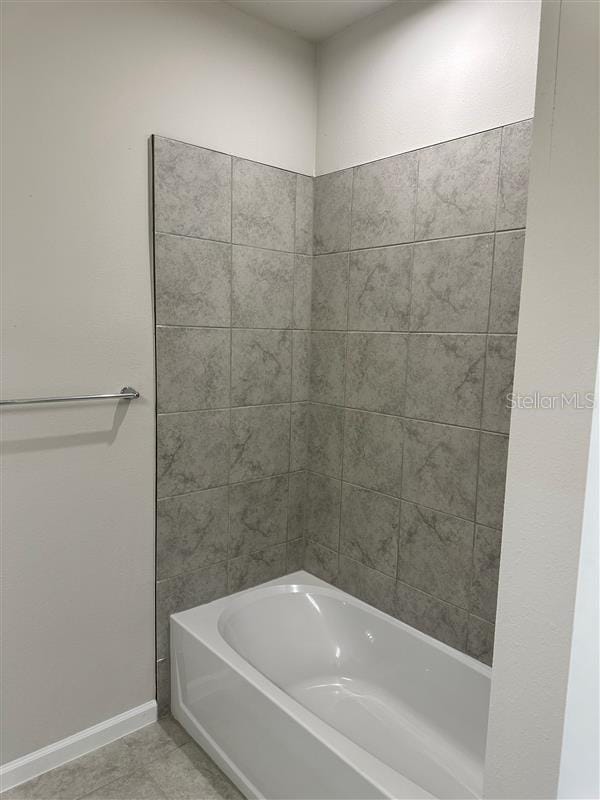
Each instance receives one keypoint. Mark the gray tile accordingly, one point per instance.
(302, 291)
(323, 510)
(506, 283)
(304, 213)
(189, 774)
(330, 292)
(78, 777)
(379, 297)
(327, 366)
(183, 592)
(458, 184)
(262, 288)
(192, 281)
(264, 203)
(383, 201)
(300, 365)
(299, 437)
(486, 565)
(325, 430)
(294, 555)
(155, 740)
(254, 568)
(369, 528)
(192, 451)
(191, 531)
(444, 381)
(444, 622)
(333, 201)
(376, 371)
(514, 175)
(480, 643)
(492, 479)
(192, 368)
(499, 372)
(367, 584)
(321, 561)
(138, 786)
(192, 190)
(258, 515)
(440, 467)
(261, 366)
(451, 284)
(373, 451)
(260, 442)
(163, 686)
(297, 507)
(435, 552)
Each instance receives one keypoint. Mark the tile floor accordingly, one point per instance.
(158, 762)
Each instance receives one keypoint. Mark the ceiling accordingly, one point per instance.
(313, 20)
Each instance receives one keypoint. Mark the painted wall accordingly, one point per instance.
(420, 73)
(548, 455)
(84, 85)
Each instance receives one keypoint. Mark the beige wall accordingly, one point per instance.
(84, 85)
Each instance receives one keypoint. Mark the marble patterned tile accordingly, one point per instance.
(499, 373)
(514, 175)
(330, 292)
(300, 365)
(323, 510)
(294, 555)
(325, 433)
(486, 566)
(257, 515)
(480, 642)
(299, 437)
(304, 214)
(327, 366)
(443, 621)
(373, 451)
(383, 201)
(137, 786)
(262, 288)
(435, 553)
(192, 368)
(260, 442)
(183, 592)
(506, 283)
(302, 291)
(492, 479)
(321, 561)
(155, 740)
(264, 205)
(376, 371)
(254, 568)
(192, 279)
(367, 584)
(191, 531)
(440, 467)
(189, 774)
(192, 190)
(451, 285)
(297, 506)
(369, 528)
(163, 686)
(379, 296)
(192, 451)
(261, 366)
(333, 202)
(444, 381)
(458, 185)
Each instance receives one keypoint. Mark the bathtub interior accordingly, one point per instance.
(411, 702)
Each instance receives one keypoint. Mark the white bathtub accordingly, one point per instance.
(298, 690)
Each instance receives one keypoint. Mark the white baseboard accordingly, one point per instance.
(55, 755)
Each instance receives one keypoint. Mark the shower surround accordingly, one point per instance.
(332, 377)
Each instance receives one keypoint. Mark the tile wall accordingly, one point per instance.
(415, 299)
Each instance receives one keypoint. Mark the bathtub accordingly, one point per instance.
(299, 690)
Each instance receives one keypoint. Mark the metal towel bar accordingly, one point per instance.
(126, 393)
